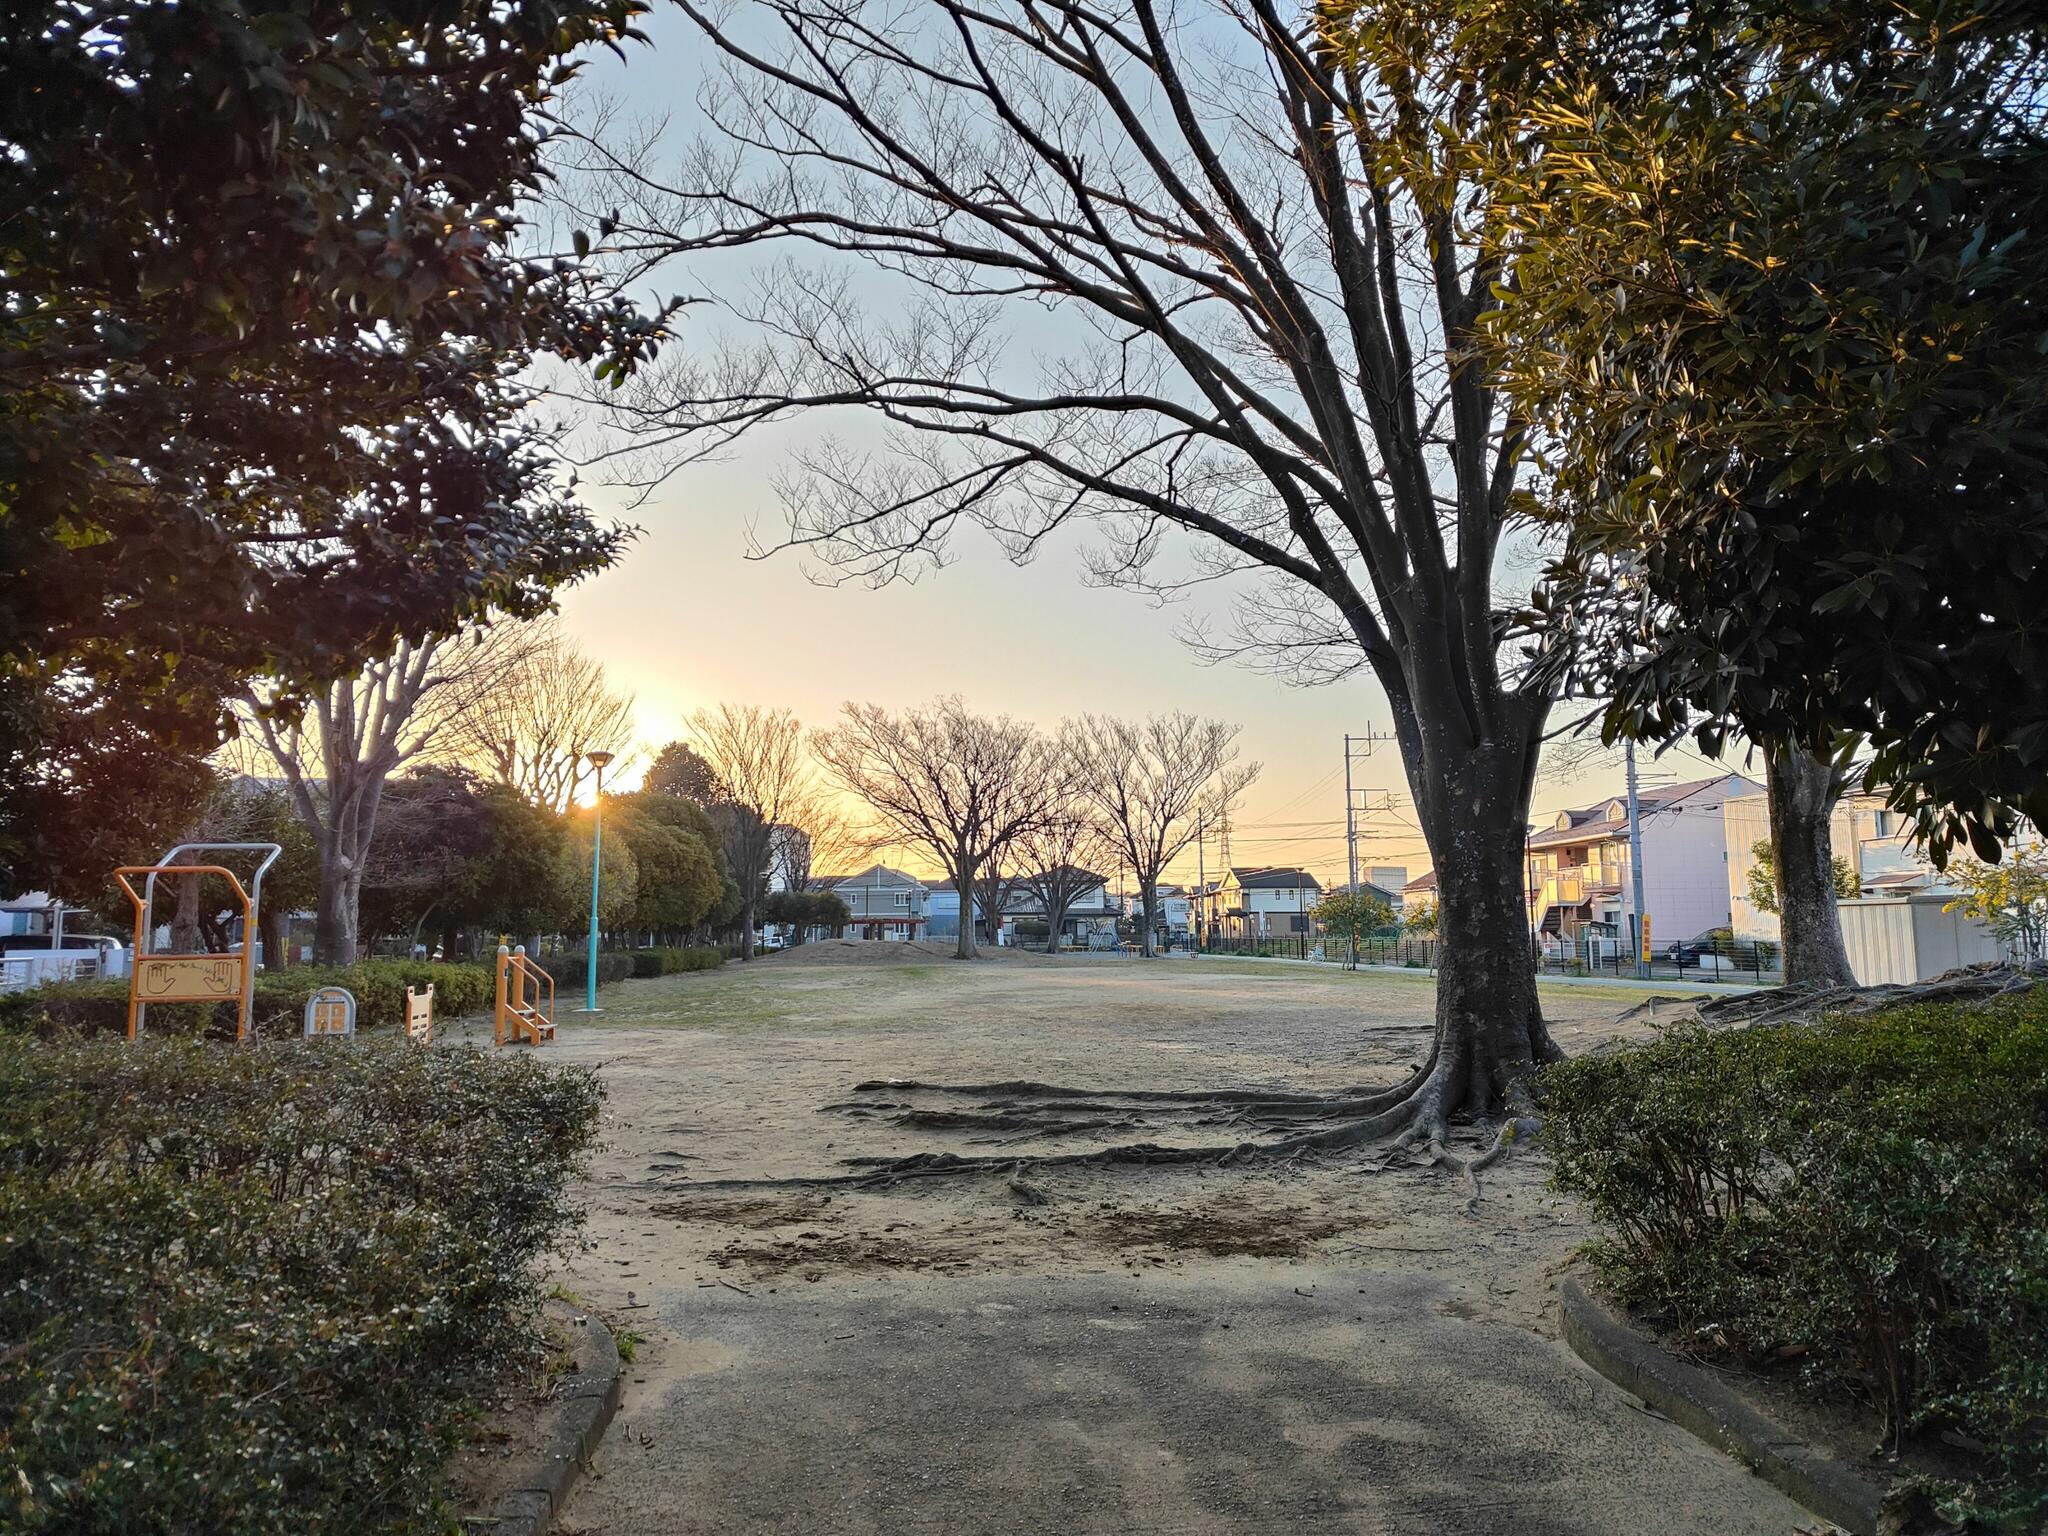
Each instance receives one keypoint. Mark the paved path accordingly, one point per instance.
(1183, 1403)
(1318, 1348)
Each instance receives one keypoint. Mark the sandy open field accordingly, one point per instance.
(955, 1350)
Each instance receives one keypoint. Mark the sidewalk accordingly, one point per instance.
(1611, 983)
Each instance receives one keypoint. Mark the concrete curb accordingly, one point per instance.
(1693, 1399)
(580, 1406)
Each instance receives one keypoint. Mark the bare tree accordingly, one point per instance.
(1064, 857)
(543, 709)
(337, 753)
(1207, 274)
(959, 784)
(1154, 784)
(763, 774)
(995, 886)
(816, 835)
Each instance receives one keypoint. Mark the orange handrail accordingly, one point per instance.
(515, 1014)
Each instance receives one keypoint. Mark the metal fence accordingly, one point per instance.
(1736, 961)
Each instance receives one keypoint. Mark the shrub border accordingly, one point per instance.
(1691, 1398)
(580, 1406)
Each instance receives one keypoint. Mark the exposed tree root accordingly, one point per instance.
(1278, 1129)
(1804, 1005)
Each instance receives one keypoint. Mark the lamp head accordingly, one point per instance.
(599, 759)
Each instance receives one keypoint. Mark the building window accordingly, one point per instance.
(1297, 922)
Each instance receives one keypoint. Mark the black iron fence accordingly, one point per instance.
(1736, 961)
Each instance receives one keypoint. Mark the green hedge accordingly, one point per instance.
(252, 1291)
(570, 970)
(1869, 1196)
(669, 962)
(101, 1007)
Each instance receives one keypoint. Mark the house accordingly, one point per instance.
(1580, 884)
(1174, 911)
(883, 903)
(1261, 903)
(1868, 836)
(1897, 929)
(1092, 908)
(1419, 892)
(1392, 881)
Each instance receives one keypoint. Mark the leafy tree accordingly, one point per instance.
(266, 309)
(1352, 915)
(618, 882)
(249, 810)
(827, 910)
(526, 880)
(675, 853)
(1763, 878)
(1421, 920)
(434, 837)
(2010, 896)
(104, 784)
(678, 771)
(803, 910)
(1775, 322)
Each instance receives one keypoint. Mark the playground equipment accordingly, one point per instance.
(330, 1011)
(419, 1015)
(523, 1018)
(194, 978)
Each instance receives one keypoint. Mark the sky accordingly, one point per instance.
(688, 619)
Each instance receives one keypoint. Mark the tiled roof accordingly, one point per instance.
(1592, 823)
(1274, 879)
(1424, 882)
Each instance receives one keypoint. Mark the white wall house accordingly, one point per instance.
(1872, 840)
(1262, 903)
(1580, 883)
(883, 903)
(1175, 910)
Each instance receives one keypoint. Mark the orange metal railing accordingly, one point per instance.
(526, 999)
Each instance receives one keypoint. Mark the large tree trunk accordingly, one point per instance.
(271, 924)
(963, 882)
(1148, 898)
(334, 913)
(747, 929)
(1802, 793)
(185, 916)
(1055, 919)
(1473, 799)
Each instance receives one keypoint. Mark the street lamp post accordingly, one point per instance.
(597, 761)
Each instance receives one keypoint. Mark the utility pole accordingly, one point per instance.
(1351, 816)
(1201, 878)
(1635, 860)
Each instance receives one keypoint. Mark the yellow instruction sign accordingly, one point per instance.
(188, 978)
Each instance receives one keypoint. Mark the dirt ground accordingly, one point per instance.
(750, 1074)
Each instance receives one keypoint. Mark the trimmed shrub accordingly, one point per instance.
(250, 1291)
(1868, 1195)
(669, 962)
(569, 970)
(101, 1007)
